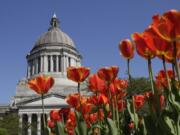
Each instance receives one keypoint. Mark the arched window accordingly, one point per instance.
(49, 63)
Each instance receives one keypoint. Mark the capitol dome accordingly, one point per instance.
(55, 35)
(51, 55)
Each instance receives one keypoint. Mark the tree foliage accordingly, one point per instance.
(9, 124)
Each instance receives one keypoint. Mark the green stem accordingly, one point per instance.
(151, 75)
(175, 61)
(174, 74)
(78, 88)
(117, 113)
(166, 74)
(129, 75)
(43, 114)
(178, 126)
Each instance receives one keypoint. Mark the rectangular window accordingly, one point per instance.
(39, 64)
(49, 63)
(54, 63)
(60, 68)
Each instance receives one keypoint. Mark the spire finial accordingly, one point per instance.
(54, 21)
(54, 15)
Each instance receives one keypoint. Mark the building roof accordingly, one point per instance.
(54, 35)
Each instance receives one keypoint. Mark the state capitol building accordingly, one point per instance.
(51, 54)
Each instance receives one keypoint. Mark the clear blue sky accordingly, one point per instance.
(96, 26)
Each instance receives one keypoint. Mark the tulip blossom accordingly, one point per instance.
(131, 125)
(99, 99)
(142, 47)
(108, 73)
(51, 124)
(41, 84)
(167, 26)
(121, 105)
(96, 84)
(70, 123)
(138, 101)
(55, 116)
(118, 85)
(161, 81)
(161, 100)
(127, 49)
(78, 74)
(74, 100)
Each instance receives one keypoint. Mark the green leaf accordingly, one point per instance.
(81, 125)
(170, 124)
(59, 128)
(133, 115)
(113, 130)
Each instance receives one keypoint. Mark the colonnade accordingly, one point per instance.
(50, 63)
(25, 123)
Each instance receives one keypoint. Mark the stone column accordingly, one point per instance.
(57, 63)
(62, 63)
(52, 66)
(41, 61)
(65, 63)
(33, 67)
(36, 66)
(29, 123)
(20, 123)
(38, 124)
(45, 63)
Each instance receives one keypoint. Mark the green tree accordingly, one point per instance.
(3, 131)
(138, 85)
(10, 124)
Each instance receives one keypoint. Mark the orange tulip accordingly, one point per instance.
(96, 84)
(167, 26)
(142, 46)
(78, 74)
(118, 85)
(126, 48)
(158, 46)
(41, 84)
(108, 73)
(74, 100)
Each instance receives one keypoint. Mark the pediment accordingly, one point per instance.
(51, 100)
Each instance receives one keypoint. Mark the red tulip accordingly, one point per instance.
(126, 48)
(131, 125)
(51, 124)
(70, 123)
(142, 46)
(167, 26)
(78, 74)
(96, 84)
(55, 116)
(121, 105)
(108, 73)
(41, 84)
(138, 101)
(161, 81)
(161, 99)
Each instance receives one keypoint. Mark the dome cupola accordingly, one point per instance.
(52, 53)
